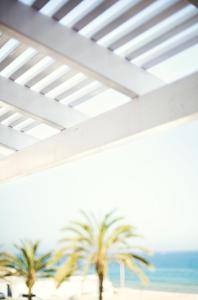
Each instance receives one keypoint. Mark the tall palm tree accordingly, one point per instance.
(92, 243)
(29, 264)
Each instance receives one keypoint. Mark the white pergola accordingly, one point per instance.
(58, 55)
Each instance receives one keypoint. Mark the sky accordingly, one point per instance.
(152, 180)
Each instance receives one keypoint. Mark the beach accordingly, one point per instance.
(72, 290)
(130, 294)
(152, 295)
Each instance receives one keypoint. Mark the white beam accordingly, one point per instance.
(38, 106)
(63, 44)
(14, 139)
(175, 102)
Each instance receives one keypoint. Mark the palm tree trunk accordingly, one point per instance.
(29, 293)
(30, 283)
(101, 279)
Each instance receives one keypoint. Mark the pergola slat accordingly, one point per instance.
(26, 67)
(168, 54)
(10, 58)
(38, 106)
(30, 126)
(59, 81)
(38, 4)
(31, 27)
(74, 89)
(13, 64)
(42, 74)
(15, 139)
(17, 121)
(148, 25)
(7, 47)
(93, 14)
(3, 39)
(64, 10)
(6, 115)
(88, 96)
(163, 37)
(132, 12)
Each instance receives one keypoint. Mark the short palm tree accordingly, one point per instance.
(91, 243)
(29, 264)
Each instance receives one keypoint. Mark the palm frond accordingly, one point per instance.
(125, 231)
(129, 262)
(67, 269)
(92, 243)
(28, 262)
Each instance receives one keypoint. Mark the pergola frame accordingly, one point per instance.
(153, 103)
(169, 105)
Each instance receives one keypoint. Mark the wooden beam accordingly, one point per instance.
(172, 104)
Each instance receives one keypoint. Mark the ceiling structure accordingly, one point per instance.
(57, 57)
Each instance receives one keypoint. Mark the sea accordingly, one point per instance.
(174, 272)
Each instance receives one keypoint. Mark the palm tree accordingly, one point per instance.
(4, 272)
(91, 243)
(29, 264)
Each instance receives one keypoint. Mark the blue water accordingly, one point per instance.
(174, 272)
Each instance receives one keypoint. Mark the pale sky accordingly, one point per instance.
(152, 180)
